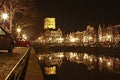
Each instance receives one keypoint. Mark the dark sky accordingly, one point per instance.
(73, 15)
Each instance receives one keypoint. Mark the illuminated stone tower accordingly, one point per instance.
(49, 23)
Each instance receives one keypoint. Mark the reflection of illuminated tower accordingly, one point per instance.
(100, 34)
(49, 23)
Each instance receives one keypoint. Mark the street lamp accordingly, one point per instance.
(18, 31)
(24, 36)
(4, 17)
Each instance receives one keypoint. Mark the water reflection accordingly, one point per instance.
(101, 63)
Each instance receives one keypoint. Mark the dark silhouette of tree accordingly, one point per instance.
(1, 3)
(21, 13)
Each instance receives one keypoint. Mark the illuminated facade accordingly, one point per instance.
(49, 23)
(109, 34)
(116, 33)
(89, 35)
(53, 35)
(79, 36)
(92, 62)
(100, 36)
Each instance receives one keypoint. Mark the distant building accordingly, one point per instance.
(53, 35)
(109, 34)
(79, 36)
(86, 36)
(116, 33)
(49, 23)
(89, 35)
(102, 33)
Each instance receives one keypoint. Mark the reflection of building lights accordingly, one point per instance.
(50, 70)
(117, 59)
(90, 59)
(108, 63)
(61, 55)
(73, 55)
(85, 56)
(50, 58)
(104, 63)
(100, 59)
(40, 58)
(100, 38)
(77, 57)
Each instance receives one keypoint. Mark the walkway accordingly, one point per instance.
(33, 70)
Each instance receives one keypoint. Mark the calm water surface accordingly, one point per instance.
(79, 66)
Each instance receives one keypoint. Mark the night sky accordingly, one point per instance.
(73, 15)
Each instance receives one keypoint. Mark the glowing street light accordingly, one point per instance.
(18, 31)
(24, 36)
(4, 16)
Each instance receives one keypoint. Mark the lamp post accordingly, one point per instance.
(18, 32)
(4, 17)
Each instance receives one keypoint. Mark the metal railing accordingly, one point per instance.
(18, 72)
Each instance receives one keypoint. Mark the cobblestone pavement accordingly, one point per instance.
(9, 60)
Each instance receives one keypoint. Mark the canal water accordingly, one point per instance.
(79, 66)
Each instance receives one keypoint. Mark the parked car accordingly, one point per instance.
(6, 41)
(22, 43)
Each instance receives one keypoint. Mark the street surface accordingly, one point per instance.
(9, 60)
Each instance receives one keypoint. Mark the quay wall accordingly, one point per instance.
(76, 48)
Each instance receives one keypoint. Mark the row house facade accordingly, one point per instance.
(86, 36)
(90, 35)
(103, 34)
(116, 33)
(109, 34)
(53, 35)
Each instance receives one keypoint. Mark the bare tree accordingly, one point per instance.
(1, 3)
(16, 8)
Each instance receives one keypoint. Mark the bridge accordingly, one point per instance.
(20, 65)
